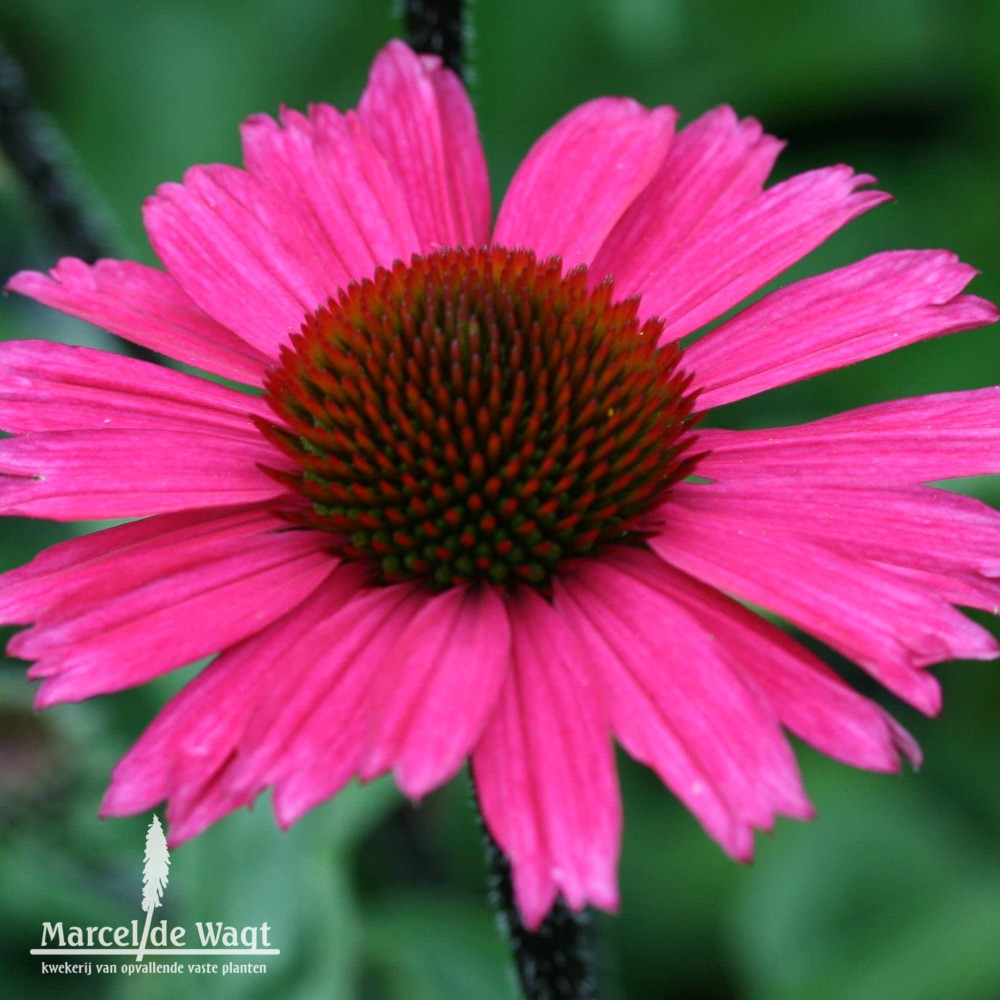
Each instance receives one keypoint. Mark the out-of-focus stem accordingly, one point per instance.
(437, 27)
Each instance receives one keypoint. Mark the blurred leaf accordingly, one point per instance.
(879, 888)
(429, 948)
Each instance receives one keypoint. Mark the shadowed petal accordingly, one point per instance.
(310, 737)
(90, 569)
(169, 607)
(186, 754)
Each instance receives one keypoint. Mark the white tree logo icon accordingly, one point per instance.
(155, 873)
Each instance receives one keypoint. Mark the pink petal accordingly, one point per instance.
(90, 569)
(309, 736)
(723, 262)
(809, 698)
(905, 441)
(423, 124)
(819, 324)
(676, 705)
(946, 543)
(872, 615)
(916, 527)
(447, 669)
(961, 588)
(173, 617)
(186, 754)
(147, 307)
(287, 706)
(580, 177)
(54, 387)
(240, 251)
(545, 772)
(715, 165)
(328, 171)
(78, 475)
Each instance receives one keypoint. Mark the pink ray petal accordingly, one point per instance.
(55, 387)
(421, 119)
(310, 737)
(836, 319)
(913, 526)
(330, 173)
(872, 615)
(79, 475)
(448, 667)
(284, 159)
(172, 619)
(319, 670)
(809, 698)
(147, 307)
(716, 164)
(581, 176)
(185, 755)
(906, 441)
(722, 263)
(544, 769)
(240, 252)
(85, 571)
(330, 748)
(676, 705)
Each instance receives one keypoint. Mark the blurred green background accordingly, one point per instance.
(894, 893)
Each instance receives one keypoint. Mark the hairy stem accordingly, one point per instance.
(37, 153)
(555, 962)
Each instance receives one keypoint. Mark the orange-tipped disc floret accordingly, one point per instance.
(477, 415)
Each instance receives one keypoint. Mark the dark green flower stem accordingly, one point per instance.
(437, 27)
(38, 155)
(555, 962)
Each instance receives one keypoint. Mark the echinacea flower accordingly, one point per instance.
(465, 508)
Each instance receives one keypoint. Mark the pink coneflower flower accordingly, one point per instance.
(466, 509)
